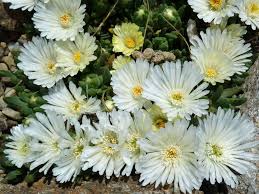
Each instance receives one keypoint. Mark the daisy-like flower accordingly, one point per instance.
(75, 56)
(38, 61)
(170, 157)
(219, 55)
(213, 10)
(105, 156)
(60, 19)
(51, 138)
(224, 143)
(18, 150)
(172, 88)
(141, 124)
(70, 103)
(69, 165)
(127, 38)
(159, 119)
(23, 4)
(127, 84)
(120, 61)
(249, 12)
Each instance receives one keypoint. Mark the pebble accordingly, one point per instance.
(1, 89)
(2, 103)
(9, 60)
(9, 92)
(3, 66)
(3, 45)
(3, 122)
(15, 115)
(11, 123)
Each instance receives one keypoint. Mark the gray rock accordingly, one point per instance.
(2, 103)
(9, 92)
(9, 60)
(15, 115)
(11, 123)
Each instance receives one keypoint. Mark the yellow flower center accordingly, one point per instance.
(65, 20)
(130, 42)
(160, 123)
(51, 67)
(171, 154)
(177, 98)
(55, 146)
(23, 149)
(78, 148)
(77, 57)
(132, 143)
(216, 4)
(137, 91)
(253, 9)
(109, 138)
(216, 150)
(76, 107)
(211, 73)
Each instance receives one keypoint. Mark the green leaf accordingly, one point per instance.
(13, 175)
(230, 92)
(14, 79)
(216, 95)
(16, 103)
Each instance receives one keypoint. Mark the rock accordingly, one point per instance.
(1, 89)
(3, 45)
(23, 39)
(148, 53)
(9, 60)
(15, 115)
(11, 123)
(9, 92)
(3, 66)
(5, 79)
(2, 103)
(3, 122)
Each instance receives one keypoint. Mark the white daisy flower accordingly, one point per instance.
(213, 10)
(70, 102)
(69, 165)
(52, 138)
(23, 4)
(219, 55)
(127, 84)
(60, 19)
(249, 12)
(170, 157)
(224, 143)
(172, 87)
(75, 56)
(105, 156)
(18, 150)
(38, 60)
(141, 124)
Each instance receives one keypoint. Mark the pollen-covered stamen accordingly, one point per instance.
(177, 98)
(253, 9)
(132, 143)
(77, 57)
(76, 107)
(216, 4)
(171, 154)
(137, 91)
(23, 148)
(65, 20)
(78, 148)
(130, 42)
(51, 67)
(160, 123)
(214, 151)
(109, 139)
(211, 73)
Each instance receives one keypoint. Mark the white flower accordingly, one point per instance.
(70, 103)
(224, 143)
(213, 10)
(69, 165)
(219, 55)
(120, 61)
(51, 138)
(249, 12)
(23, 4)
(60, 19)
(170, 157)
(141, 124)
(172, 87)
(75, 56)
(105, 156)
(18, 150)
(38, 61)
(127, 84)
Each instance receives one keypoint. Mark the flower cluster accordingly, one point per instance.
(150, 129)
